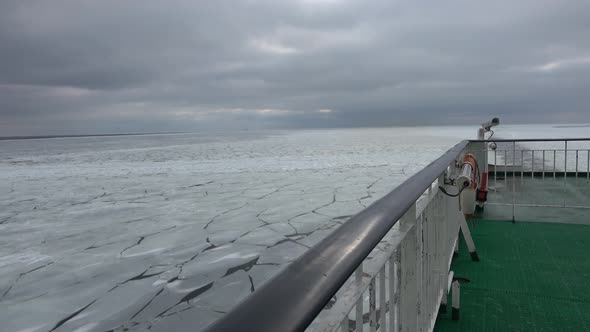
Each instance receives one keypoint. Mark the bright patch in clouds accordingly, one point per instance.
(201, 114)
(561, 64)
(271, 112)
(321, 2)
(272, 47)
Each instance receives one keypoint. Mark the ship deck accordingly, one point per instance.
(534, 274)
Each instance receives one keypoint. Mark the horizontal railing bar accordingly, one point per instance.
(520, 172)
(529, 150)
(499, 140)
(292, 299)
(541, 205)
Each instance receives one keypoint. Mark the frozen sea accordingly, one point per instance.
(168, 232)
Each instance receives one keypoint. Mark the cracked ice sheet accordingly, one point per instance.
(155, 231)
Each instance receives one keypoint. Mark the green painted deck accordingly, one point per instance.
(532, 277)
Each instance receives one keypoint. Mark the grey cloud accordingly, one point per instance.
(102, 66)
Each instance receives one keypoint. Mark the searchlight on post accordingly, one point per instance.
(466, 178)
(467, 183)
(486, 127)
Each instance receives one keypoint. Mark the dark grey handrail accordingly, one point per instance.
(295, 296)
(531, 140)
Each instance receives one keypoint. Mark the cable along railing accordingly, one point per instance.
(385, 269)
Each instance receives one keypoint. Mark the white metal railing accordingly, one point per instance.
(564, 165)
(388, 267)
(402, 283)
(541, 162)
(384, 269)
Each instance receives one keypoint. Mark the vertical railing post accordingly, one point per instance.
(393, 294)
(495, 169)
(409, 284)
(521, 165)
(532, 164)
(426, 272)
(514, 178)
(505, 167)
(372, 306)
(565, 175)
(486, 162)
(543, 168)
(554, 164)
(444, 249)
(420, 275)
(359, 302)
(565, 161)
(383, 301)
(577, 163)
(395, 273)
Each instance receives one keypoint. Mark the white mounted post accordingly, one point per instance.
(480, 133)
(456, 299)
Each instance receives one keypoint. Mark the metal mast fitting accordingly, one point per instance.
(482, 192)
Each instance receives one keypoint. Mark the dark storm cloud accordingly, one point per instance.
(102, 66)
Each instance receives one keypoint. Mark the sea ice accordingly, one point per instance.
(168, 232)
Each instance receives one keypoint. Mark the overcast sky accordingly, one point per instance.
(107, 66)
